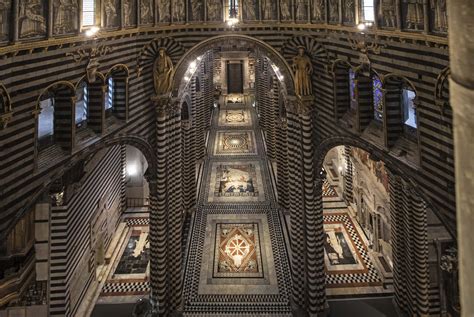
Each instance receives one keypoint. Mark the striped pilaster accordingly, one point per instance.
(64, 119)
(272, 117)
(95, 107)
(365, 101)
(296, 194)
(348, 172)
(189, 167)
(393, 116)
(120, 98)
(123, 183)
(341, 91)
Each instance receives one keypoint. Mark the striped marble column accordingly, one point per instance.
(348, 172)
(159, 213)
(409, 246)
(313, 213)
(296, 190)
(282, 163)
(175, 207)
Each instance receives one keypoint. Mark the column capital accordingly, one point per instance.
(302, 105)
(165, 105)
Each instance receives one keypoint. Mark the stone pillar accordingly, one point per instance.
(296, 204)
(461, 49)
(159, 214)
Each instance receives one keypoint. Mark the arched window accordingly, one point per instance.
(82, 103)
(88, 13)
(109, 102)
(378, 98)
(352, 90)
(409, 111)
(46, 121)
(368, 11)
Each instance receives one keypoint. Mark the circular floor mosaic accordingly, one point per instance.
(236, 142)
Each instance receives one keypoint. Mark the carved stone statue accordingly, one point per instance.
(146, 15)
(197, 6)
(303, 69)
(127, 12)
(318, 10)
(65, 16)
(164, 10)
(388, 13)
(110, 13)
(349, 11)
(267, 9)
(285, 10)
(162, 73)
(214, 10)
(32, 22)
(5, 6)
(333, 10)
(440, 15)
(301, 10)
(414, 16)
(249, 10)
(178, 10)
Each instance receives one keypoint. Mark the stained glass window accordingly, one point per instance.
(352, 89)
(88, 12)
(46, 121)
(81, 104)
(378, 99)
(368, 10)
(409, 111)
(109, 96)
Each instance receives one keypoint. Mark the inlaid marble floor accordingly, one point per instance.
(237, 261)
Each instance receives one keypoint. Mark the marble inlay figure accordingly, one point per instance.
(318, 9)
(414, 16)
(349, 11)
(249, 10)
(65, 16)
(214, 10)
(301, 10)
(333, 10)
(127, 12)
(146, 15)
(164, 10)
(267, 9)
(196, 6)
(285, 10)
(162, 72)
(440, 15)
(388, 13)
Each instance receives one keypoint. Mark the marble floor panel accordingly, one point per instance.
(347, 260)
(232, 182)
(235, 143)
(235, 118)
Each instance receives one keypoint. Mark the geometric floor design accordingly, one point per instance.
(357, 269)
(328, 190)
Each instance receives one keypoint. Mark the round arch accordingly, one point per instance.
(405, 171)
(133, 140)
(239, 40)
(67, 86)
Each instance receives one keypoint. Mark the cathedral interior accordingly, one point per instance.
(250, 158)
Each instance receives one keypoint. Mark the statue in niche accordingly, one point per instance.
(333, 11)
(146, 10)
(110, 13)
(349, 11)
(440, 15)
(414, 16)
(214, 10)
(164, 10)
(127, 12)
(303, 68)
(196, 6)
(318, 9)
(249, 10)
(162, 73)
(267, 9)
(178, 11)
(5, 6)
(65, 16)
(301, 10)
(388, 13)
(32, 22)
(285, 10)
